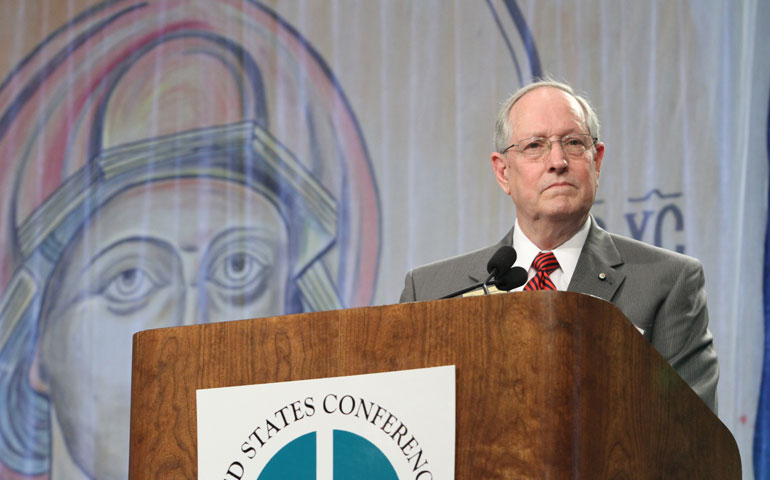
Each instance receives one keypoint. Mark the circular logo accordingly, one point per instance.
(352, 456)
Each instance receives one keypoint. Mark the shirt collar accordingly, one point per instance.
(567, 253)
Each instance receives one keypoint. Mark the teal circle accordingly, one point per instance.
(354, 457)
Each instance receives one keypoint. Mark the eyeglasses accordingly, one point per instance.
(574, 146)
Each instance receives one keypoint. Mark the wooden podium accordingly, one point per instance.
(549, 385)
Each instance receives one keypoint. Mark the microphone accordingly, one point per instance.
(515, 277)
(499, 264)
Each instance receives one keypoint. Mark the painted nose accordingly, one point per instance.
(193, 307)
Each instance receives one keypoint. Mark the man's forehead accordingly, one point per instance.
(546, 105)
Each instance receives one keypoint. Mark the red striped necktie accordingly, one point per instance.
(544, 264)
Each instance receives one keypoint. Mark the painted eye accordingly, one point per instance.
(129, 285)
(237, 270)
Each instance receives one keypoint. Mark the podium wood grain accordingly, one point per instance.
(549, 385)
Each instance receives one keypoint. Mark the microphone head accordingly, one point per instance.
(515, 277)
(502, 260)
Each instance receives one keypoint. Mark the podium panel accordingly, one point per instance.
(549, 384)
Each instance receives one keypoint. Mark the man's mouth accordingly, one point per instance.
(558, 185)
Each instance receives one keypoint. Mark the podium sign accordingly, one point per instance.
(380, 426)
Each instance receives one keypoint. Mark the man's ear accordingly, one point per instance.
(501, 171)
(598, 157)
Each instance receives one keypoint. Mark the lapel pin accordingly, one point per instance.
(602, 276)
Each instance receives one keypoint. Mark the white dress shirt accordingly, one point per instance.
(566, 254)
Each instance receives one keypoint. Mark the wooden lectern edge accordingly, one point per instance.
(419, 308)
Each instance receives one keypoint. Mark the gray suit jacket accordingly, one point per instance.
(660, 291)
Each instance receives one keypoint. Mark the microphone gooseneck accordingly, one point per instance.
(499, 268)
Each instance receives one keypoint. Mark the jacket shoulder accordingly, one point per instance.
(440, 278)
(635, 251)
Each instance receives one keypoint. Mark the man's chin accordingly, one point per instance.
(561, 205)
(565, 212)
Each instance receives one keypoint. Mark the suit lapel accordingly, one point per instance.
(595, 272)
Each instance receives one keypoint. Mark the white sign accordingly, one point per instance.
(389, 426)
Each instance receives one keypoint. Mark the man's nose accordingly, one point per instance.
(557, 159)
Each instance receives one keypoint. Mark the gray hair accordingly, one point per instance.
(503, 130)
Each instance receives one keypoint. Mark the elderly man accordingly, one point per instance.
(548, 159)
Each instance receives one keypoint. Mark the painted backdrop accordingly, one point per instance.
(167, 162)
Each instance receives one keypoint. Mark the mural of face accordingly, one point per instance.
(149, 258)
(182, 162)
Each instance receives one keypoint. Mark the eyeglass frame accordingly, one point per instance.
(550, 142)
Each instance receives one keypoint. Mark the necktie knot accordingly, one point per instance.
(544, 264)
